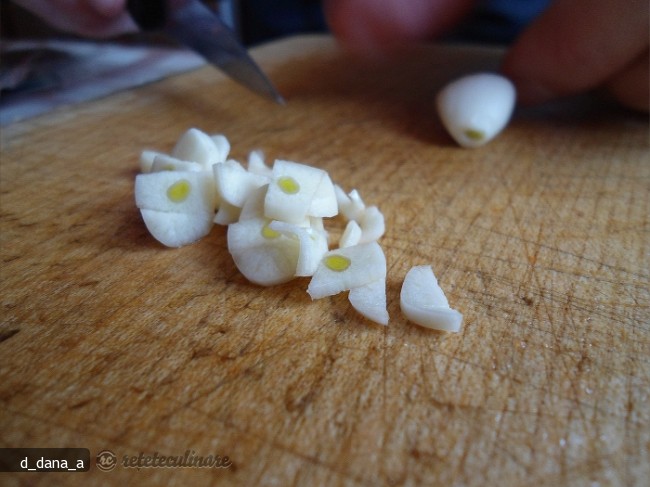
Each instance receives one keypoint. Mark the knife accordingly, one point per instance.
(194, 25)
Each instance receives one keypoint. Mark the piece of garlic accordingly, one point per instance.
(313, 245)
(195, 145)
(164, 162)
(370, 301)
(297, 191)
(256, 164)
(234, 183)
(351, 235)
(146, 159)
(174, 229)
(351, 206)
(475, 108)
(227, 214)
(263, 255)
(423, 302)
(176, 191)
(372, 224)
(343, 269)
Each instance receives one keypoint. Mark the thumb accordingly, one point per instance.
(578, 45)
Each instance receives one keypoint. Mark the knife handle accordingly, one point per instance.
(148, 14)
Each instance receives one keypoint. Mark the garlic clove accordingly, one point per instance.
(475, 108)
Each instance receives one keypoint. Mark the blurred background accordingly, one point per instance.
(42, 68)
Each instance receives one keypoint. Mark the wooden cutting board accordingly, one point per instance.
(111, 342)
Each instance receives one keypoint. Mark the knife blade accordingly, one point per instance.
(194, 25)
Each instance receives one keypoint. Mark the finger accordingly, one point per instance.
(378, 25)
(108, 8)
(631, 87)
(576, 45)
(87, 18)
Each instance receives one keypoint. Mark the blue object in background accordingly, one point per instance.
(497, 21)
(491, 22)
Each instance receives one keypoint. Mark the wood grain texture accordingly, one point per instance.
(109, 341)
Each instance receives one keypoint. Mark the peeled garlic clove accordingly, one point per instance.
(291, 191)
(195, 145)
(163, 162)
(423, 302)
(176, 191)
(264, 256)
(234, 183)
(343, 269)
(370, 301)
(475, 108)
(313, 245)
(177, 229)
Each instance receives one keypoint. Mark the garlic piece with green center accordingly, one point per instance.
(346, 268)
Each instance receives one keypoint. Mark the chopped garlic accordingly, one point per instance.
(174, 229)
(175, 191)
(256, 164)
(313, 245)
(195, 145)
(264, 257)
(351, 206)
(370, 301)
(234, 183)
(343, 269)
(423, 302)
(372, 224)
(275, 218)
(351, 235)
(146, 159)
(163, 162)
(296, 193)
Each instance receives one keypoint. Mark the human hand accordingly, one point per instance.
(574, 46)
(89, 18)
